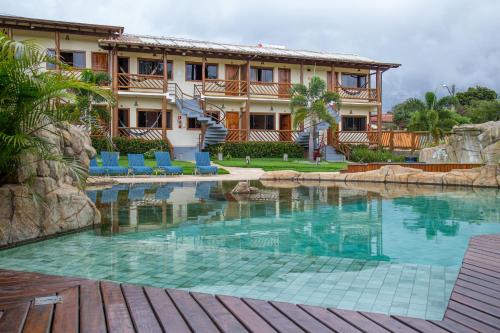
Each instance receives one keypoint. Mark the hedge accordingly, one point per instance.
(364, 154)
(258, 149)
(128, 145)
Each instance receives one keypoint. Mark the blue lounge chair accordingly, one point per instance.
(203, 164)
(163, 192)
(92, 195)
(164, 163)
(136, 165)
(203, 190)
(110, 163)
(109, 195)
(95, 169)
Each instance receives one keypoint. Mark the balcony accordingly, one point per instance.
(261, 135)
(357, 93)
(239, 88)
(140, 82)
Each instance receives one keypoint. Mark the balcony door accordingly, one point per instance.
(123, 68)
(284, 79)
(232, 80)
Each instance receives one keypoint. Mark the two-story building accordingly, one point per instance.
(194, 93)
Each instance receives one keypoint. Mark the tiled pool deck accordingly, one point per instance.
(399, 289)
(95, 306)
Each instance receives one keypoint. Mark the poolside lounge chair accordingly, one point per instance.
(92, 195)
(110, 163)
(203, 190)
(136, 165)
(95, 169)
(203, 166)
(164, 163)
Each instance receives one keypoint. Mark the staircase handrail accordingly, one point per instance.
(197, 94)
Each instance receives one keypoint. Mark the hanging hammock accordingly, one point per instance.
(145, 132)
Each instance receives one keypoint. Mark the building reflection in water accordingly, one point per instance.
(315, 220)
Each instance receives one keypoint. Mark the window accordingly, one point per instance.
(99, 62)
(353, 80)
(261, 74)
(123, 118)
(353, 123)
(155, 67)
(262, 121)
(152, 118)
(193, 72)
(75, 59)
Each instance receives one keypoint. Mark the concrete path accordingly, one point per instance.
(234, 174)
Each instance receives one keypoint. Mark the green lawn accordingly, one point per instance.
(188, 167)
(272, 164)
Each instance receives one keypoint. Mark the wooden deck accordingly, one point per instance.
(99, 306)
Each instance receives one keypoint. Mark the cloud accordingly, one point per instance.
(447, 41)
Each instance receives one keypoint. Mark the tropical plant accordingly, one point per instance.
(33, 100)
(311, 103)
(436, 116)
(483, 111)
(477, 93)
(403, 111)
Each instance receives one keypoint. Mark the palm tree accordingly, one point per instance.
(434, 115)
(31, 100)
(311, 103)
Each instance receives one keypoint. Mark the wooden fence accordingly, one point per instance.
(427, 167)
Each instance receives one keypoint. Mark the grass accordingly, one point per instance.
(273, 164)
(187, 167)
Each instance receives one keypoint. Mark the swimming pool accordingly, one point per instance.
(381, 248)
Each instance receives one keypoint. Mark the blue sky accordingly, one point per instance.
(437, 42)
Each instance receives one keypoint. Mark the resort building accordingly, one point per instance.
(195, 93)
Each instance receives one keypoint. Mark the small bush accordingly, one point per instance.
(258, 149)
(128, 145)
(364, 154)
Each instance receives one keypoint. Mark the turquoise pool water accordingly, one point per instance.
(378, 248)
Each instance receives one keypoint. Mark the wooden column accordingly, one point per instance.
(379, 107)
(114, 76)
(164, 101)
(247, 106)
(301, 73)
(334, 78)
(391, 140)
(10, 33)
(57, 49)
(203, 68)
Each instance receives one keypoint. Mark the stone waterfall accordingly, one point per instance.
(64, 206)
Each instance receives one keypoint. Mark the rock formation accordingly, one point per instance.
(244, 188)
(472, 143)
(58, 204)
(486, 176)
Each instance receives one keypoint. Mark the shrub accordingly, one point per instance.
(258, 149)
(364, 154)
(127, 145)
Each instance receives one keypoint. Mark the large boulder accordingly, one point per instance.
(471, 143)
(62, 205)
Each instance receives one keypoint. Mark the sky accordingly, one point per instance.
(436, 41)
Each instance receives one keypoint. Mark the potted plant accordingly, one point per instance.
(220, 153)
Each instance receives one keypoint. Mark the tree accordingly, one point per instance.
(437, 116)
(403, 111)
(483, 111)
(32, 100)
(477, 93)
(311, 103)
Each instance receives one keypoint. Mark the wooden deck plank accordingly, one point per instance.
(115, 308)
(66, 314)
(452, 326)
(470, 303)
(389, 323)
(469, 322)
(142, 315)
(420, 325)
(480, 288)
(478, 296)
(13, 318)
(39, 319)
(252, 321)
(300, 317)
(91, 309)
(275, 318)
(330, 319)
(356, 319)
(224, 319)
(485, 273)
(492, 282)
(170, 318)
(196, 318)
(473, 313)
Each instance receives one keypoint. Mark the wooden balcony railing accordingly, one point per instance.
(357, 93)
(128, 81)
(270, 89)
(226, 87)
(240, 88)
(389, 139)
(236, 135)
(141, 133)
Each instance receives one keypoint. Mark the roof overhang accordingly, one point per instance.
(127, 46)
(24, 23)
